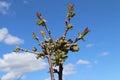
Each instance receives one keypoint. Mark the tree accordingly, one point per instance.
(56, 52)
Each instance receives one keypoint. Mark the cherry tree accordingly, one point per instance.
(55, 51)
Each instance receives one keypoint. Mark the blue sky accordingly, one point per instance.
(98, 58)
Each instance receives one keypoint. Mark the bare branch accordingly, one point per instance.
(49, 32)
(70, 15)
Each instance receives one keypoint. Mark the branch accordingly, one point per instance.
(49, 32)
(39, 43)
(82, 35)
(50, 67)
(42, 22)
(66, 30)
(56, 71)
(37, 39)
(70, 15)
(24, 50)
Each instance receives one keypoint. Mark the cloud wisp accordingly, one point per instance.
(69, 69)
(48, 79)
(4, 7)
(83, 62)
(15, 65)
(96, 62)
(104, 54)
(90, 45)
(26, 1)
(8, 38)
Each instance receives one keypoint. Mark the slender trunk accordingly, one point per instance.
(60, 71)
(51, 68)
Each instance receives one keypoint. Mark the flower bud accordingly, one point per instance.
(41, 22)
(39, 55)
(85, 32)
(74, 48)
(69, 26)
(43, 33)
(39, 15)
(35, 36)
(70, 7)
(17, 49)
(34, 49)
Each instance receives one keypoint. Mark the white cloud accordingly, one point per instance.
(90, 45)
(48, 79)
(15, 65)
(8, 38)
(4, 7)
(12, 40)
(103, 54)
(95, 62)
(12, 76)
(3, 33)
(86, 62)
(69, 69)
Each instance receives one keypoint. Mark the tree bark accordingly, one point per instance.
(60, 71)
(51, 68)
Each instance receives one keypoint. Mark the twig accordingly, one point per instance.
(66, 30)
(49, 32)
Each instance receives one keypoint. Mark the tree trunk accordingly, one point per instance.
(51, 68)
(60, 71)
